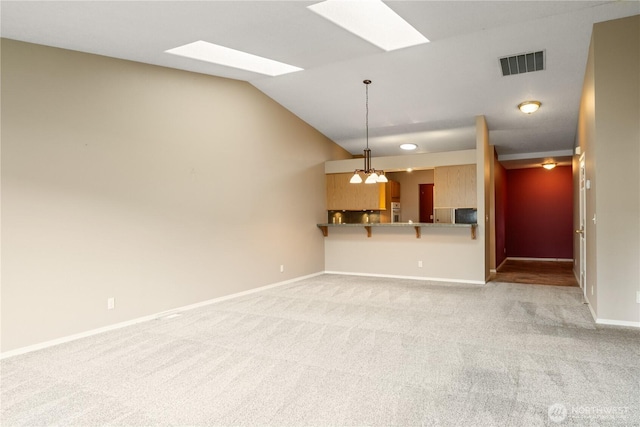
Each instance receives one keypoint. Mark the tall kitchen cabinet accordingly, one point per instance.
(455, 187)
(392, 195)
(393, 190)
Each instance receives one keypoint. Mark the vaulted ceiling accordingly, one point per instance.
(427, 94)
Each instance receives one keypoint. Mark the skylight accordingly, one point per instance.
(371, 20)
(216, 54)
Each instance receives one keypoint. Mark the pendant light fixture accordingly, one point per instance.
(372, 176)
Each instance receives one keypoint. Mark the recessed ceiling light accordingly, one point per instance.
(216, 54)
(549, 165)
(371, 20)
(408, 147)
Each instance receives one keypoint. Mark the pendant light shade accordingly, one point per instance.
(372, 176)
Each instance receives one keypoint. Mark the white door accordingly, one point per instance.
(582, 231)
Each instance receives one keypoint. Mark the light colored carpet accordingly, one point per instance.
(343, 350)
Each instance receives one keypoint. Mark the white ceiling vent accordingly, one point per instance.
(522, 63)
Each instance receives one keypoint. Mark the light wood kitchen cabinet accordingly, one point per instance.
(455, 187)
(342, 195)
(443, 216)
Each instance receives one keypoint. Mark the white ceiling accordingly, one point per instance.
(427, 94)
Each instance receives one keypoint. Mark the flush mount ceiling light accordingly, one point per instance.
(549, 165)
(373, 176)
(529, 107)
(408, 147)
(371, 20)
(216, 54)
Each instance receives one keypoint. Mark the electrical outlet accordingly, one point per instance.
(638, 297)
(111, 303)
(420, 264)
(282, 268)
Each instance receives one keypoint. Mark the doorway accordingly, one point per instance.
(426, 203)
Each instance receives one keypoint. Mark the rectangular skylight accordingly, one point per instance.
(216, 54)
(371, 20)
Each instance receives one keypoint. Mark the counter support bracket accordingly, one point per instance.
(418, 231)
(473, 232)
(324, 229)
(368, 228)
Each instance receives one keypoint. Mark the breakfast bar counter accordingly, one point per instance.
(416, 225)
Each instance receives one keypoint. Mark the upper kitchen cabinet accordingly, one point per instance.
(342, 195)
(455, 187)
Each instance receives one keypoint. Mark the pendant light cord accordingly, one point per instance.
(366, 85)
(373, 176)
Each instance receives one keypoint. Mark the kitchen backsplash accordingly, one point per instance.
(353, 217)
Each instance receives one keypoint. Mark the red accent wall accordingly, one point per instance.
(539, 214)
(500, 179)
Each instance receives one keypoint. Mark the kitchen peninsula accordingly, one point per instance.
(443, 252)
(416, 225)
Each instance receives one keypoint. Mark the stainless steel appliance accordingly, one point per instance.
(465, 216)
(395, 211)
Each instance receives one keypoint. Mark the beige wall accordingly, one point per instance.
(609, 135)
(447, 254)
(158, 187)
(415, 161)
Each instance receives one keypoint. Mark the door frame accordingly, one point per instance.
(582, 230)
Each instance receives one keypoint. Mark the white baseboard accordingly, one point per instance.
(51, 343)
(540, 259)
(611, 322)
(618, 323)
(425, 279)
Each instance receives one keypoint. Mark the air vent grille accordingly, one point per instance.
(523, 63)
